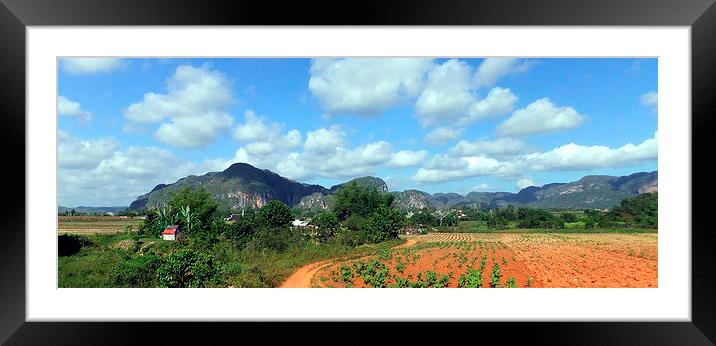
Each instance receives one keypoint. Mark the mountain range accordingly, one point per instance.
(243, 185)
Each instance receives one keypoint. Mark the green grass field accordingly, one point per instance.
(92, 266)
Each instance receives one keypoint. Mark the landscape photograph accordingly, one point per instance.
(357, 172)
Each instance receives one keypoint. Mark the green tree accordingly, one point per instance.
(384, 224)
(188, 269)
(241, 231)
(568, 217)
(274, 214)
(199, 202)
(354, 199)
(327, 224)
(137, 271)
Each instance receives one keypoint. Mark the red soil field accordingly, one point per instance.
(543, 260)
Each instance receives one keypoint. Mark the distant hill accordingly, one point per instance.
(243, 185)
(91, 210)
(592, 191)
(238, 186)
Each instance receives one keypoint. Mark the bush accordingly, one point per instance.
(354, 199)
(199, 202)
(70, 244)
(274, 214)
(241, 231)
(135, 272)
(327, 224)
(275, 239)
(188, 269)
(568, 217)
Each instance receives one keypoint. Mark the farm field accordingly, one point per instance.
(96, 224)
(504, 260)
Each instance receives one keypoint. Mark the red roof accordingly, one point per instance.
(171, 230)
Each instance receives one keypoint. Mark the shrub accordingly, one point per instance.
(274, 214)
(327, 224)
(70, 244)
(198, 208)
(135, 272)
(188, 269)
(275, 239)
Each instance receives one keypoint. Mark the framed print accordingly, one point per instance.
(288, 173)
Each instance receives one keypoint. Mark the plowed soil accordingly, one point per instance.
(534, 260)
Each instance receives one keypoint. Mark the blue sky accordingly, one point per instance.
(437, 125)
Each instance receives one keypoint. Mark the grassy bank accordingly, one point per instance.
(95, 262)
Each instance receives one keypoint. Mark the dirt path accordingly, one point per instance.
(302, 277)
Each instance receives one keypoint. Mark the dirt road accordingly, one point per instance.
(302, 277)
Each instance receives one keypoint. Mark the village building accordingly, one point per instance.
(171, 232)
(232, 217)
(300, 223)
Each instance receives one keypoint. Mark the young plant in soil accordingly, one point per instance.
(495, 276)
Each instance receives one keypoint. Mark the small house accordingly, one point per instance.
(300, 223)
(171, 232)
(232, 217)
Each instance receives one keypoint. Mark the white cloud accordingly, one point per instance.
(446, 96)
(264, 139)
(650, 99)
(448, 99)
(447, 167)
(523, 183)
(407, 158)
(481, 187)
(498, 147)
(254, 128)
(74, 153)
(540, 116)
(117, 177)
(365, 86)
(194, 108)
(324, 140)
(579, 157)
(67, 107)
(78, 66)
(442, 135)
(492, 69)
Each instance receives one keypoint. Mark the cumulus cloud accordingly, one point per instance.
(407, 158)
(498, 147)
(324, 140)
(365, 86)
(481, 187)
(192, 112)
(74, 153)
(254, 128)
(67, 107)
(79, 66)
(442, 135)
(463, 167)
(448, 98)
(99, 172)
(651, 100)
(523, 183)
(451, 166)
(540, 116)
(492, 69)
(264, 139)
(579, 157)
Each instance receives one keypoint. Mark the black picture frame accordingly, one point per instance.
(16, 15)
